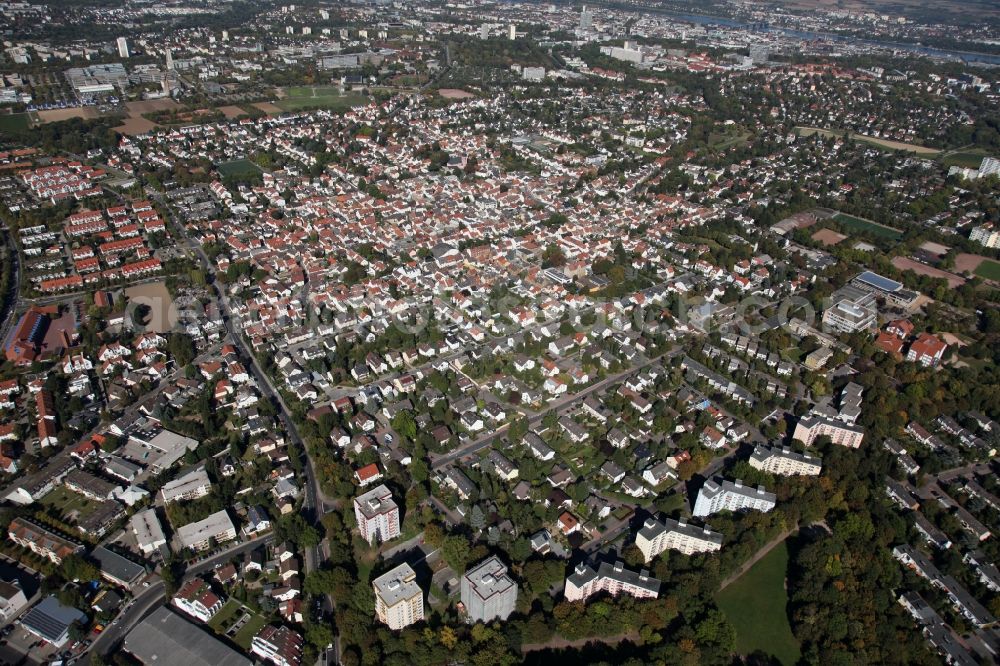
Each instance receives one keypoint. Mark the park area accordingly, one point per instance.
(332, 98)
(756, 605)
(859, 225)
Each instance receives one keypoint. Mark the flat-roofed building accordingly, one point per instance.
(399, 601)
(669, 534)
(811, 427)
(488, 593)
(148, 531)
(784, 461)
(725, 495)
(614, 579)
(191, 486)
(377, 515)
(199, 535)
(164, 637)
(848, 316)
(90, 486)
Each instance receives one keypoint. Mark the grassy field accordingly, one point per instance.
(319, 97)
(225, 614)
(852, 223)
(244, 636)
(887, 144)
(67, 502)
(238, 169)
(989, 270)
(15, 122)
(970, 159)
(756, 606)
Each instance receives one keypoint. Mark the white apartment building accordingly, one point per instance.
(399, 601)
(614, 579)
(732, 496)
(377, 515)
(986, 235)
(656, 537)
(784, 461)
(148, 531)
(199, 535)
(810, 427)
(191, 486)
(197, 600)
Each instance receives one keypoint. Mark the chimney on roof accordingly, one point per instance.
(650, 523)
(738, 483)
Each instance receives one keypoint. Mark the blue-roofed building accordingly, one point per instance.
(890, 290)
(50, 620)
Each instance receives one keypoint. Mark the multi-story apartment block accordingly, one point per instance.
(614, 579)
(927, 350)
(377, 515)
(987, 235)
(278, 645)
(656, 537)
(198, 600)
(41, 540)
(399, 601)
(488, 593)
(784, 461)
(810, 427)
(732, 496)
(191, 486)
(200, 535)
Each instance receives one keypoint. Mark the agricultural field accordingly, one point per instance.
(319, 97)
(852, 223)
(756, 605)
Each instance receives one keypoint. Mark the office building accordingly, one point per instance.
(725, 495)
(148, 531)
(614, 579)
(656, 537)
(850, 316)
(122, 47)
(164, 637)
(278, 645)
(784, 461)
(198, 600)
(488, 593)
(399, 601)
(377, 515)
(202, 534)
(810, 427)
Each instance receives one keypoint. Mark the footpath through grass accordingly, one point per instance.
(756, 606)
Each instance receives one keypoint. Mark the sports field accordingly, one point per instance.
(243, 169)
(852, 223)
(15, 122)
(319, 97)
(755, 604)
(989, 270)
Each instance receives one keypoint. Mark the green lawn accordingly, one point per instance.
(319, 97)
(245, 635)
(852, 223)
(989, 270)
(225, 614)
(244, 169)
(755, 605)
(14, 122)
(65, 501)
(966, 158)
